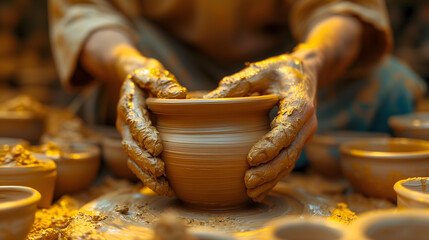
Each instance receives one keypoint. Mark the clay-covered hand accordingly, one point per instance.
(140, 140)
(274, 156)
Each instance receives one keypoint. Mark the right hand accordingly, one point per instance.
(141, 140)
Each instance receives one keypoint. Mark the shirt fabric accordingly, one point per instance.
(226, 30)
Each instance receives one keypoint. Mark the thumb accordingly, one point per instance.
(160, 83)
(250, 80)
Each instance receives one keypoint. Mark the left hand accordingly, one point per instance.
(274, 156)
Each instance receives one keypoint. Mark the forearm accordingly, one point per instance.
(330, 47)
(103, 53)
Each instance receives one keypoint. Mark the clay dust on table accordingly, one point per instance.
(118, 210)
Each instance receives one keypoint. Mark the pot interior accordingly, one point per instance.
(417, 185)
(306, 231)
(399, 229)
(12, 194)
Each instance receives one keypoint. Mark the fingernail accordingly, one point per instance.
(249, 181)
(256, 158)
(173, 91)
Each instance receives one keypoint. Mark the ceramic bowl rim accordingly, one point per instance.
(92, 151)
(211, 106)
(20, 141)
(205, 101)
(400, 189)
(19, 115)
(208, 233)
(403, 121)
(349, 149)
(329, 138)
(359, 228)
(47, 166)
(33, 198)
(298, 220)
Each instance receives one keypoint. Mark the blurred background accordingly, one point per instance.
(26, 64)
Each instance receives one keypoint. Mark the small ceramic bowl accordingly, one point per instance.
(414, 125)
(374, 166)
(390, 225)
(77, 167)
(303, 228)
(18, 205)
(323, 150)
(413, 193)
(23, 125)
(112, 153)
(38, 176)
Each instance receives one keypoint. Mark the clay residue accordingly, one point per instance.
(23, 103)
(342, 214)
(17, 156)
(48, 223)
(65, 219)
(171, 227)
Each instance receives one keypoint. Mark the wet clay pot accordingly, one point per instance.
(38, 176)
(206, 142)
(374, 166)
(413, 193)
(17, 208)
(390, 225)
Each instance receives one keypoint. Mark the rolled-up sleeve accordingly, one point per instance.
(377, 37)
(71, 22)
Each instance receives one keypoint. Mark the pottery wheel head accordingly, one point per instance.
(144, 210)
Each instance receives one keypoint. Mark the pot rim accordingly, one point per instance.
(352, 149)
(33, 198)
(304, 220)
(213, 105)
(47, 165)
(411, 121)
(19, 115)
(359, 228)
(336, 138)
(89, 152)
(400, 189)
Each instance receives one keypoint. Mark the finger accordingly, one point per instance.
(255, 78)
(259, 193)
(160, 83)
(131, 108)
(153, 165)
(285, 161)
(285, 128)
(159, 185)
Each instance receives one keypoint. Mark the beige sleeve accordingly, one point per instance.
(71, 22)
(377, 37)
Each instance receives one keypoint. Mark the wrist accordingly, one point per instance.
(313, 59)
(125, 59)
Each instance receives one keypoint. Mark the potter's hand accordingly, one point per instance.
(274, 156)
(141, 141)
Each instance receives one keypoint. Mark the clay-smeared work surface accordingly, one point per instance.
(119, 210)
(206, 142)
